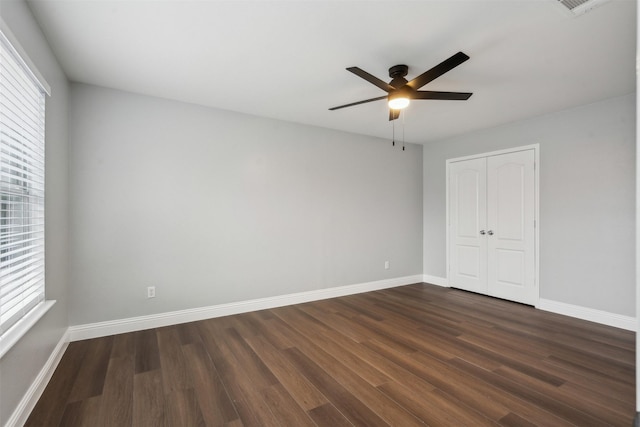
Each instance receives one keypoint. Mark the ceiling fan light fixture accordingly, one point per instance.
(398, 103)
(400, 92)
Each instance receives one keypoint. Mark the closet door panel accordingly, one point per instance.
(510, 223)
(468, 246)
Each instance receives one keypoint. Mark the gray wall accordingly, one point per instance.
(214, 207)
(587, 193)
(19, 367)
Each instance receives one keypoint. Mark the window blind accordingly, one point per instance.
(22, 114)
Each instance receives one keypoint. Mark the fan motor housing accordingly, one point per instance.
(398, 71)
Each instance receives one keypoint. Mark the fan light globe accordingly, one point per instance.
(398, 103)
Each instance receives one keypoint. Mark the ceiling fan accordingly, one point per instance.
(400, 91)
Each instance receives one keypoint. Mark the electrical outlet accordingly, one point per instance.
(151, 292)
(386, 265)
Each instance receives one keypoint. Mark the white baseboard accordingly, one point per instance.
(435, 280)
(112, 327)
(604, 317)
(30, 398)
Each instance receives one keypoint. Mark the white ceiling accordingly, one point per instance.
(286, 59)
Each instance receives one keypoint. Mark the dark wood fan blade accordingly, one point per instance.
(429, 94)
(371, 79)
(393, 114)
(438, 70)
(358, 103)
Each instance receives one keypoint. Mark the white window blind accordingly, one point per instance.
(22, 113)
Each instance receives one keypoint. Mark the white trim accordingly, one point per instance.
(637, 223)
(112, 327)
(536, 219)
(22, 326)
(30, 67)
(591, 314)
(30, 398)
(436, 280)
(447, 223)
(495, 153)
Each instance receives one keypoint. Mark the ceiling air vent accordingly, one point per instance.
(578, 7)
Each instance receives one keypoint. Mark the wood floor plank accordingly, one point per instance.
(116, 404)
(366, 355)
(307, 396)
(432, 408)
(285, 408)
(459, 387)
(270, 329)
(73, 414)
(389, 332)
(172, 364)
(149, 408)
(82, 413)
(514, 420)
(483, 397)
(517, 359)
(620, 372)
(352, 383)
(421, 315)
(462, 349)
(339, 322)
(382, 334)
(585, 400)
(182, 409)
(253, 366)
(147, 353)
(91, 377)
(224, 365)
(124, 345)
(542, 400)
(328, 415)
(242, 384)
(577, 342)
(351, 302)
(188, 333)
(321, 333)
(358, 413)
(561, 343)
(411, 355)
(593, 380)
(215, 404)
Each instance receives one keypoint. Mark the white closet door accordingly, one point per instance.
(468, 247)
(510, 226)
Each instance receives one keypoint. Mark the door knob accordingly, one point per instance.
(482, 232)
(490, 232)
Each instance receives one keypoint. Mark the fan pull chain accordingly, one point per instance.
(393, 138)
(403, 130)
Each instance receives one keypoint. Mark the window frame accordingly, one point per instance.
(28, 319)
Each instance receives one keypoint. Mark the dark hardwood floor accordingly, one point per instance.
(412, 355)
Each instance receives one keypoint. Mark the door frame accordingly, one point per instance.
(536, 213)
